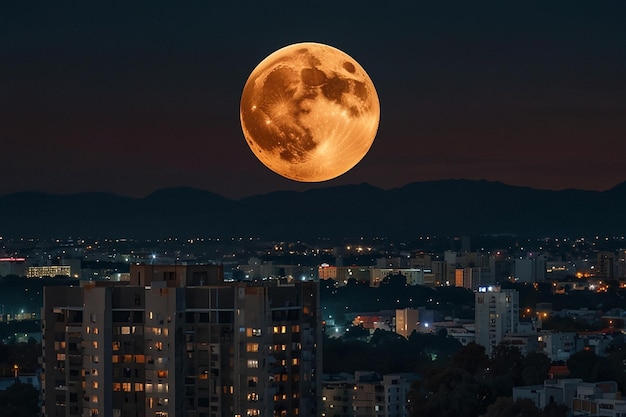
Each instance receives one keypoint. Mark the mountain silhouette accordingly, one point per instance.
(447, 207)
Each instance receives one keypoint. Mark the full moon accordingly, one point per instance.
(309, 112)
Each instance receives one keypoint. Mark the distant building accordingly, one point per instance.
(12, 266)
(421, 260)
(413, 276)
(464, 334)
(501, 266)
(530, 270)
(582, 398)
(443, 273)
(473, 278)
(32, 379)
(48, 271)
(366, 394)
(621, 264)
(496, 315)
(407, 321)
(345, 273)
(558, 346)
(559, 391)
(605, 265)
(375, 320)
(178, 341)
(326, 271)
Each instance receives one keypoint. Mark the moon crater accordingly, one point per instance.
(309, 112)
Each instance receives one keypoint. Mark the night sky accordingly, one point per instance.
(131, 97)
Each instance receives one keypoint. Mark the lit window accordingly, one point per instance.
(295, 328)
(94, 384)
(252, 347)
(253, 363)
(162, 373)
(94, 344)
(283, 329)
(138, 386)
(294, 361)
(126, 386)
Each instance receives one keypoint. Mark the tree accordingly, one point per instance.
(19, 400)
(471, 358)
(505, 360)
(506, 407)
(535, 367)
(452, 392)
(356, 332)
(580, 364)
(523, 407)
(457, 390)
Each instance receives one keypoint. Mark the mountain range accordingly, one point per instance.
(446, 207)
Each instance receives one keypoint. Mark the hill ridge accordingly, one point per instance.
(443, 207)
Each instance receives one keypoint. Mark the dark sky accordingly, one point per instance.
(130, 97)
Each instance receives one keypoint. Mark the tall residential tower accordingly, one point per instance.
(178, 341)
(497, 313)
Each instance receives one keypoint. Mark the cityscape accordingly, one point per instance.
(299, 209)
(358, 327)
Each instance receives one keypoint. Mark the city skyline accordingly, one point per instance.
(134, 98)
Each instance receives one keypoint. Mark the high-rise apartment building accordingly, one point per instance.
(407, 321)
(178, 341)
(496, 314)
(473, 277)
(605, 265)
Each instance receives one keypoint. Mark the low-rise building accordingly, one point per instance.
(582, 398)
(366, 394)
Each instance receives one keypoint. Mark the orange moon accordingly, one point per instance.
(309, 112)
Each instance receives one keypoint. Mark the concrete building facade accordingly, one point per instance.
(497, 314)
(366, 394)
(178, 341)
